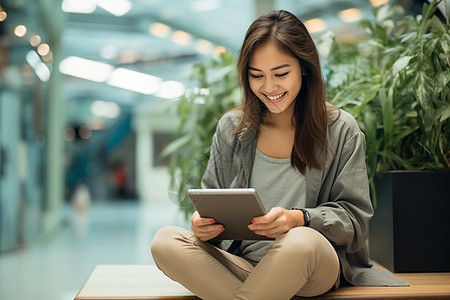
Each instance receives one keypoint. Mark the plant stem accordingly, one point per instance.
(446, 11)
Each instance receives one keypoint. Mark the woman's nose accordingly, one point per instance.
(270, 85)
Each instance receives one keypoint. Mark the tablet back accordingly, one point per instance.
(233, 208)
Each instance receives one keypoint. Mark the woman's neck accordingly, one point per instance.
(281, 120)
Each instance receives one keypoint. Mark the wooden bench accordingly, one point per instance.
(147, 282)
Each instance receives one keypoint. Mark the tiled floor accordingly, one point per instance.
(108, 233)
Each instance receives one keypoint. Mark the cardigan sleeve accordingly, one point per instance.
(212, 178)
(223, 161)
(344, 207)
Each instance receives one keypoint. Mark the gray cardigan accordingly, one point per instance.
(337, 196)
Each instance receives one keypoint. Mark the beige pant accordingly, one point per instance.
(301, 262)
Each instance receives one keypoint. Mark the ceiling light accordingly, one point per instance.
(85, 132)
(43, 49)
(219, 50)
(105, 109)
(96, 123)
(181, 38)
(79, 6)
(20, 31)
(134, 81)
(115, 7)
(35, 40)
(204, 46)
(128, 57)
(205, 5)
(3, 15)
(159, 30)
(315, 25)
(376, 3)
(41, 69)
(108, 52)
(69, 134)
(85, 69)
(170, 90)
(48, 57)
(350, 15)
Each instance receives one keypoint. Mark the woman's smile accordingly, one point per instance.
(275, 98)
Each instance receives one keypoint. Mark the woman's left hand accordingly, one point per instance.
(276, 222)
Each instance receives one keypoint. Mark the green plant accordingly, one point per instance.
(199, 111)
(396, 85)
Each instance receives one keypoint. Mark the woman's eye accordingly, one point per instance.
(282, 75)
(255, 76)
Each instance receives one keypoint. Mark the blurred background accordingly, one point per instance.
(86, 88)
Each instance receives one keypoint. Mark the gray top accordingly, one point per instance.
(267, 173)
(337, 196)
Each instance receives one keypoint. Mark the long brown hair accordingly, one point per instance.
(310, 112)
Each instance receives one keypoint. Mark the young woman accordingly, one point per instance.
(305, 158)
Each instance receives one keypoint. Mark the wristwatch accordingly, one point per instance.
(306, 216)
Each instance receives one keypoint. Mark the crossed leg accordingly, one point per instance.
(301, 262)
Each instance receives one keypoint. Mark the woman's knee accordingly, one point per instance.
(303, 243)
(299, 240)
(166, 241)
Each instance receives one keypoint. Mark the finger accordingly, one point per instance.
(205, 233)
(271, 216)
(263, 226)
(197, 220)
(272, 232)
(208, 229)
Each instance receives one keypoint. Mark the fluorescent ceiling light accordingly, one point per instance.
(79, 6)
(181, 38)
(108, 52)
(204, 47)
(85, 68)
(115, 7)
(315, 25)
(205, 5)
(219, 50)
(105, 109)
(41, 69)
(350, 15)
(134, 81)
(170, 90)
(376, 3)
(159, 30)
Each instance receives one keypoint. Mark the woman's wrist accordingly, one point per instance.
(297, 217)
(305, 217)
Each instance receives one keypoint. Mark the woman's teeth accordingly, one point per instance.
(275, 97)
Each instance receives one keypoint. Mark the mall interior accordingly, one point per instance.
(87, 89)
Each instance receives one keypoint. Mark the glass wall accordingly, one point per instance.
(29, 116)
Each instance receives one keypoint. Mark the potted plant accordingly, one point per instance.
(396, 85)
(199, 111)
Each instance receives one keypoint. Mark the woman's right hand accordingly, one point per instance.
(205, 228)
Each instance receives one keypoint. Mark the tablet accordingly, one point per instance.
(233, 208)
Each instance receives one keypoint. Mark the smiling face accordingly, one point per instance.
(275, 78)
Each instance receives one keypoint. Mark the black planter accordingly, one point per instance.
(410, 231)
